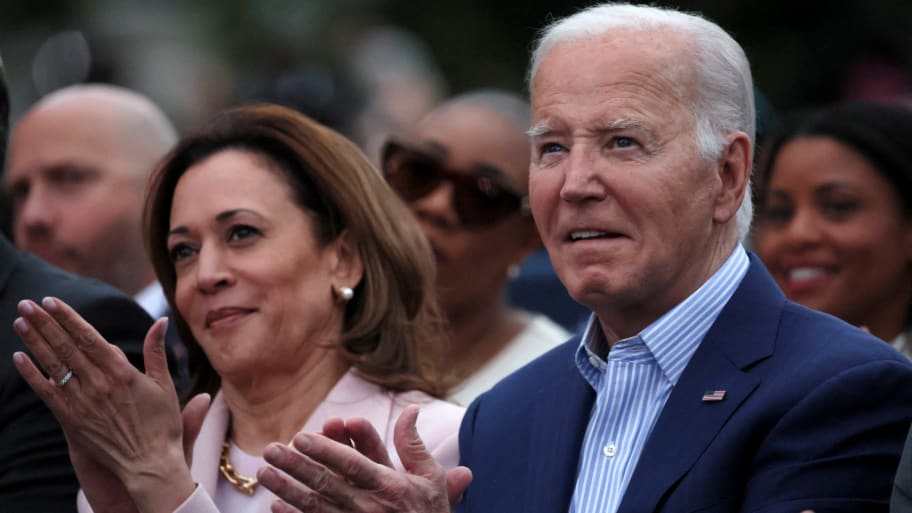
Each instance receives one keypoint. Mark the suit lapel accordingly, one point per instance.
(561, 415)
(743, 334)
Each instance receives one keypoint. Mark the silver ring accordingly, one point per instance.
(65, 379)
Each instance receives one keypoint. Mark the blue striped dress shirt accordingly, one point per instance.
(633, 384)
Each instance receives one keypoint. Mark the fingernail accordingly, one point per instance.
(272, 452)
(20, 325)
(164, 328)
(18, 358)
(25, 306)
(49, 304)
(302, 442)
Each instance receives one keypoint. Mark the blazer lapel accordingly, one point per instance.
(743, 334)
(559, 422)
(207, 451)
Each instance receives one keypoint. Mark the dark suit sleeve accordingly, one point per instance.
(837, 449)
(901, 501)
(35, 470)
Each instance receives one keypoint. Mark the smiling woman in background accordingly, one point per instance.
(835, 221)
(302, 287)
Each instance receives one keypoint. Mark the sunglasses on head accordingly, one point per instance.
(481, 197)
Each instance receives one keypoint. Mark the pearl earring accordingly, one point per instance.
(346, 294)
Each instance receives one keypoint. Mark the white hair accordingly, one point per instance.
(725, 95)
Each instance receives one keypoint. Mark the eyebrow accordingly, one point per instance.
(621, 124)
(221, 217)
(541, 129)
(824, 188)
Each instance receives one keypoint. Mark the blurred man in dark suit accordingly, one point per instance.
(35, 470)
(77, 194)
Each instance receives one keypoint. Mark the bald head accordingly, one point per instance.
(509, 106)
(125, 117)
(492, 121)
(77, 166)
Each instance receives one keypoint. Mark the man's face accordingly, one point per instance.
(623, 202)
(76, 195)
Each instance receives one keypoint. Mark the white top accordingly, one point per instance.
(540, 335)
(903, 343)
(152, 300)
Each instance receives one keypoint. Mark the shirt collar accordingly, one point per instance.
(673, 338)
(152, 300)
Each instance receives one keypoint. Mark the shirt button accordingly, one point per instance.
(610, 450)
(594, 361)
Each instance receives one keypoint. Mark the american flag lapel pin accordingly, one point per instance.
(713, 396)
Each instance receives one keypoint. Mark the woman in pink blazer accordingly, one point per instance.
(303, 289)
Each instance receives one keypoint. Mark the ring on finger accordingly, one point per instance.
(65, 379)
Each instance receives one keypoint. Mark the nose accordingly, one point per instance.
(212, 271)
(437, 206)
(34, 215)
(581, 178)
(804, 229)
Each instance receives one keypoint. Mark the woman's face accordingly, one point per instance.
(473, 260)
(253, 283)
(833, 232)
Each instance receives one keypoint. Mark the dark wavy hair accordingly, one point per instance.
(393, 331)
(880, 133)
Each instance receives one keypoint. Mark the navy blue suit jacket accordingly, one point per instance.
(814, 416)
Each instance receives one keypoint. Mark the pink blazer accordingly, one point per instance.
(438, 425)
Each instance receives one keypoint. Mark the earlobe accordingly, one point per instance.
(346, 266)
(734, 174)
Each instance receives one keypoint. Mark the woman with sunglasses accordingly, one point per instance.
(303, 290)
(464, 173)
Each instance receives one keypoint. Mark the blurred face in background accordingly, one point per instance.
(464, 175)
(76, 190)
(834, 234)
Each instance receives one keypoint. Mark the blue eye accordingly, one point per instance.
(551, 148)
(624, 142)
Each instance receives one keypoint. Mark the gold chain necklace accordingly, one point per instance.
(242, 483)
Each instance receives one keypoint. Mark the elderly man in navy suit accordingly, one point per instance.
(696, 385)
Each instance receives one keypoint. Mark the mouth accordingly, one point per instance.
(580, 235)
(802, 278)
(225, 316)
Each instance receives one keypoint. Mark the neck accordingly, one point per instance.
(888, 319)
(620, 320)
(480, 331)
(273, 407)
